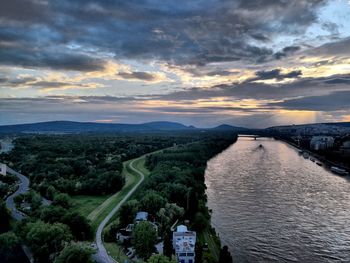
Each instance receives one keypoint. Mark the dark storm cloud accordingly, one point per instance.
(191, 32)
(335, 101)
(23, 11)
(286, 51)
(59, 60)
(276, 74)
(302, 87)
(138, 75)
(37, 83)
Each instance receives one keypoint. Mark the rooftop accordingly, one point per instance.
(184, 240)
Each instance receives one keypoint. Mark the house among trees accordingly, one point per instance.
(184, 243)
(141, 216)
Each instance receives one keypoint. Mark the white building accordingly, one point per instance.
(184, 243)
(321, 142)
(3, 169)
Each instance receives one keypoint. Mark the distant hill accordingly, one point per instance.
(80, 127)
(226, 127)
(341, 124)
(338, 124)
(89, 127)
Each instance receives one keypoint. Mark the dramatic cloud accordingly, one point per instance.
(335, 101)
(286, 51)
(254, 62)
(276, 74)
(198, 32)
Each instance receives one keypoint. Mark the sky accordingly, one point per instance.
(252, 63)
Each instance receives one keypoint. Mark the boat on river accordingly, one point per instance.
(306, 155)
(319, 163)
(339, 171)
(312, 159)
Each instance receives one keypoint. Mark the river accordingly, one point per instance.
(272, 205)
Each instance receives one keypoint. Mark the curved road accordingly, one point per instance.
(23, 187)
(102, 255)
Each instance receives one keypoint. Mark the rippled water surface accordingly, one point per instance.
(271, 205)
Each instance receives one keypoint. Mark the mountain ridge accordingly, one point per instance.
(83, 127)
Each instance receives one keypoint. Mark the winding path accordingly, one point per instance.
(102, 254)
(23, 187)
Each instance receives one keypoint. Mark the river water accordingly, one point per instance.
(272, 205)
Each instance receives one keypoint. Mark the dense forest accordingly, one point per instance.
(82, 164)
(62, 165)
(175, 191)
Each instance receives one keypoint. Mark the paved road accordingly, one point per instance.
(16, 214)
(22, 188)
(102, 255)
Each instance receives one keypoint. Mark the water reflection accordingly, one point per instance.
(278, 206)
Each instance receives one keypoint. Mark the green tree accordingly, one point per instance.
(168, 245)
(169, 214)
(46, 240)
(127, 212)
(75, 253)
(144, 239)
(160, 259)
(4, 217)
(78, 224)
(152, 202)
(225, 255)
(200, 222)
(62, 200)
(10, 251)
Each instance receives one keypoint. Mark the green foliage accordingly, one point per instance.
(200, 222)
(152, 202)
(78, 224)
(127, 212)
(169, 214)
(4, 217)
(160, 259)
(46, 239)
(110, 232)
(178, 174)
(75, 253)
(9, 247)
(82, 164)
(62, 200)
(144, 239)
(168, 244)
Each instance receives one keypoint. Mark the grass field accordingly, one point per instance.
(96, 208)
(116, 252)
(85, 204)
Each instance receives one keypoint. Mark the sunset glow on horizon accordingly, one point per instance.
(246, 63)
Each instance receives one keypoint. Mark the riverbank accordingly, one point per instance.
(327, 164)
(175, 177)
(272, 205)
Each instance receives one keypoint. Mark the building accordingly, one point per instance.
(321, 142)
(184, 243)
(3, 169)
(345, 148)
(141, 216)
